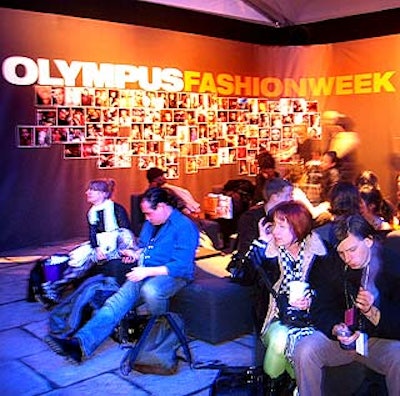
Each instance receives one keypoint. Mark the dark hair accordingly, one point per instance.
(153, 173)
(104, 185)
(367, 178)
(266, 160)
(355, 225)
(344, 199)
(298, 217)
(332, 155)
(274, 186)
(156, 195)
(372, 196)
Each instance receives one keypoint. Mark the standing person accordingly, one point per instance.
(329, 173)
(165, 264)
(109, 232)
(267, 170)
(356, 300)
(292, 251)
(344, 141)
(156, 178)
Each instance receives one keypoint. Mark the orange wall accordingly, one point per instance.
(36, 35)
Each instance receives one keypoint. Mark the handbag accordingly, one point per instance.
(290, 316)
(243, 267)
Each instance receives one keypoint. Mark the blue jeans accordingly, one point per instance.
(154, 291)
(316, 351)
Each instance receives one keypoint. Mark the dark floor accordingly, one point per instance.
(29, 367)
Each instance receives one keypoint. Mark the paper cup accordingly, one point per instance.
(54, 266)
(297, 289)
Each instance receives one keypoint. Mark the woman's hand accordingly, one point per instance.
(264, 230)
(100, 254)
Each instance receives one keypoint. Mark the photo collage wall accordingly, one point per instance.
(121, 128)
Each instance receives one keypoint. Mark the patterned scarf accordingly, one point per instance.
(291, 267)
(292, 271)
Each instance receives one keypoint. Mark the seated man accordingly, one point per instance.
(356, 310)
(165, 264)
(276, 190)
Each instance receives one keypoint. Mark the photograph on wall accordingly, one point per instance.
(59, 135)
(161, 127)
(191, 165)
(172, 172)
(242, 167)
(25, 136)
(72, 150)
(46, 117)
(42, 137)
(43, 95)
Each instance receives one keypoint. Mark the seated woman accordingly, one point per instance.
(372, 209)
(292, 249)
(109, 233)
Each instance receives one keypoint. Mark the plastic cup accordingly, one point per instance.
(297, 290)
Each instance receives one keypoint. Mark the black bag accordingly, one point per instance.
(243, 268)
(156, 350)
(130, 328)
(36, 278)
(290, 316)
(239, 381)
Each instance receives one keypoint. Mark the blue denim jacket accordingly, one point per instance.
(174, 245)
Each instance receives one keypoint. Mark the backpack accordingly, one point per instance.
(156, 350)
(67, 317)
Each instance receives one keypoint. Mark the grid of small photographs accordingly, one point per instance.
(159, 128)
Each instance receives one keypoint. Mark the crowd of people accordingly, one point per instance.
(349, 263)
(345, 256)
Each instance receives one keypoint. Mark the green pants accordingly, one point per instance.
(275, 362)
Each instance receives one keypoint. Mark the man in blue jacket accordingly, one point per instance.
(356, 309)
(164, 265)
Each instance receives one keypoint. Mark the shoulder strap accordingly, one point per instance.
(181, 336)
(256, 263)
(130, 357)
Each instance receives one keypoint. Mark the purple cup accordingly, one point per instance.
(54, 266)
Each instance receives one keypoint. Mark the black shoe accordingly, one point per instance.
(69, 348)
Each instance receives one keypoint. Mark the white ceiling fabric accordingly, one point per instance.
(285, 12)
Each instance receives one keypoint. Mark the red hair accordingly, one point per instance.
(298, 217)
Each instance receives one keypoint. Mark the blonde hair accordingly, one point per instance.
(105, 185)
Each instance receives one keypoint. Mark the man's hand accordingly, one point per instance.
(344, 335)
(130, 256)
(364, 300)
(139, 273)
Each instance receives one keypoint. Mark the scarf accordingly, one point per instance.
(107, 207)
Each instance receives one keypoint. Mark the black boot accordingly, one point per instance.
(275, 386)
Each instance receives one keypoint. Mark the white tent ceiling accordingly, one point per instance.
(283, 12)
